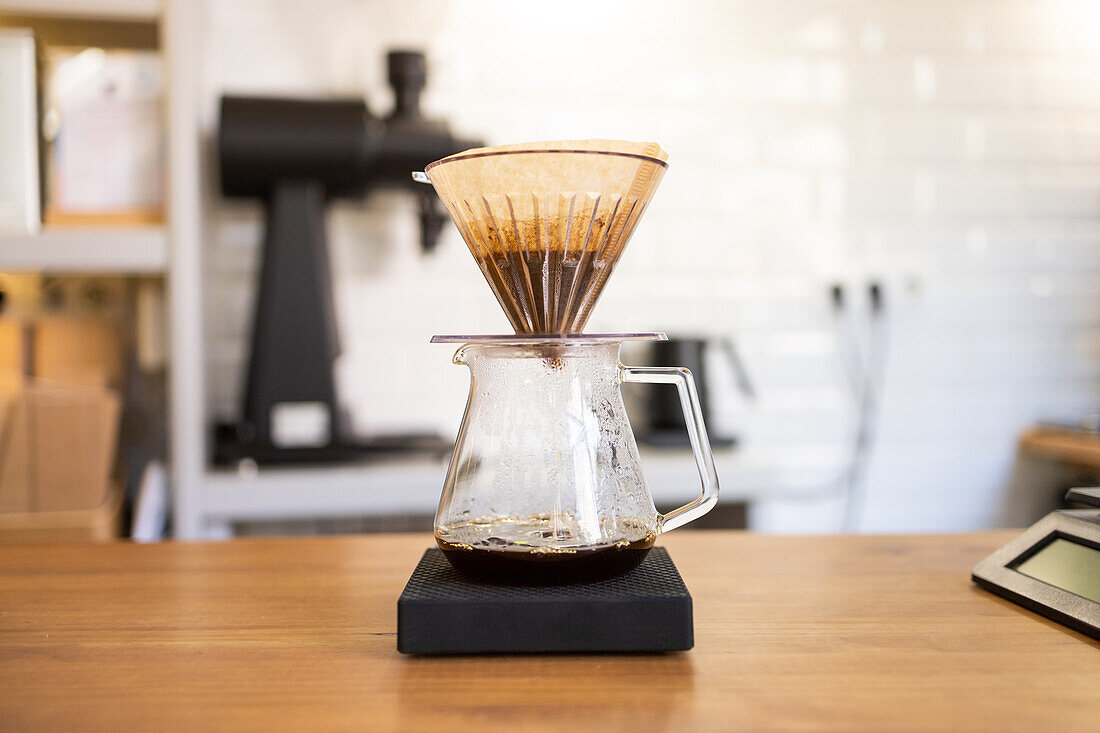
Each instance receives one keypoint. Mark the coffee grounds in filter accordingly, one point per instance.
(546, 223)
(548, 273)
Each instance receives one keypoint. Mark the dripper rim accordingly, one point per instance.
(491, 153)
(547, 338)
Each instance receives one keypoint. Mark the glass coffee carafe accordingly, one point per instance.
(545, 485)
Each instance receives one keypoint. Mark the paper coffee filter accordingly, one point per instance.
(546, 222)
(653, 150)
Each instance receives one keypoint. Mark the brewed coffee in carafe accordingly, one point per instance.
(545, 484)
(495, 550)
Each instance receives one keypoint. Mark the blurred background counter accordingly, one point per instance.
(892, 209)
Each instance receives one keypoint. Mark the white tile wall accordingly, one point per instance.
(950, 149)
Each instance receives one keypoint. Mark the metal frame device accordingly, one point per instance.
(998, 573)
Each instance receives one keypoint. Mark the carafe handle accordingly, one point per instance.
(697, 434)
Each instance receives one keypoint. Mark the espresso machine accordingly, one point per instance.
(297, 155)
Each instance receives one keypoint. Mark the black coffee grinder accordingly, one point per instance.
(297, 155)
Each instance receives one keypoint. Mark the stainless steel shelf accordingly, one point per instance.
(413, 485)
(130, 250)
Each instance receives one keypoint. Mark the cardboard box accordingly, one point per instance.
(101, 524)
(57, 449)
(15, 456)
(11, 352)
(78, 350)
(14, 497)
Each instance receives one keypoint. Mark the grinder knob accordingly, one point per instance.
(407, 72)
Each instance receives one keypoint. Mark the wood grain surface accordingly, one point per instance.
(824, 633)
(1078, 447)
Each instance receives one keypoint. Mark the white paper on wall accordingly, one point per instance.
(105, 126)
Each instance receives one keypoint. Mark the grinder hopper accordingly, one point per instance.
(547, 222)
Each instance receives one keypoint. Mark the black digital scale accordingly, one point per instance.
(442, 611)
(1053, 568)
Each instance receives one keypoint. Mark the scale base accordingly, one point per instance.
(442, 611)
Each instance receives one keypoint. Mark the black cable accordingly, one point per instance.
(864, 377)
(873, 370)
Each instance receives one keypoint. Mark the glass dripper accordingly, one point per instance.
(546, 222)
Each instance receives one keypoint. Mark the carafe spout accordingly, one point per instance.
(460, 355)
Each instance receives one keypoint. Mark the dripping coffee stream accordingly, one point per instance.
(545, 484)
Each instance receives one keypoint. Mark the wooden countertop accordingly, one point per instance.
(823, 633)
